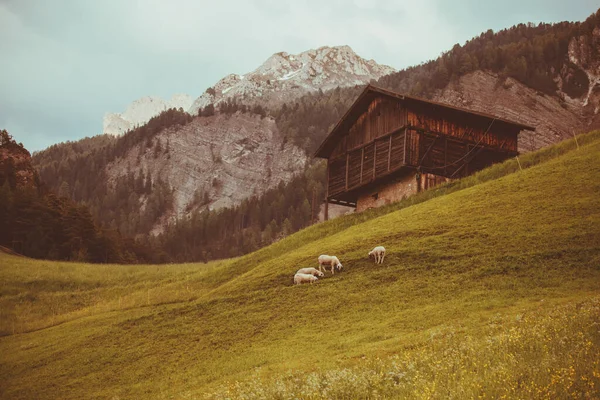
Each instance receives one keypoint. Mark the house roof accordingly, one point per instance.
(371, 92)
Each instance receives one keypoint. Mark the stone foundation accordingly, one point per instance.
(404, 186)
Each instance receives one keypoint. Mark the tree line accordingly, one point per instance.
(256, 222)
(40, 224)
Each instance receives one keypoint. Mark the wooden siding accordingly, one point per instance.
(446, 156)
(367, 163)
(382, 116)
(466, 128)
(397, 156)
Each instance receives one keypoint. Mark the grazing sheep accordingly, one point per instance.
(310, 271)
(378, 253)
(332, 261)
(304, 278)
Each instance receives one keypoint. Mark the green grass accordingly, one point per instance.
(465, 261)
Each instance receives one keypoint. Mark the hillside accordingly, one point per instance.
(480, 273)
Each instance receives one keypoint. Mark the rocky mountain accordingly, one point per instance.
(213, 162)
(584, 52)
(508, 98)
(219, 160)
(557, 116)
(283, 77)
(140, 111)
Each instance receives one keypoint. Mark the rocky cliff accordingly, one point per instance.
(574, 109)
(216, 161)
(553, 119)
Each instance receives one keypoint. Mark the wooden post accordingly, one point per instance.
(575, 137)
(390, 153)
(404, 155)
(347, 161)
(445, 156)
(362, 162)
(326, 213)
(467, 162)
(374, 156)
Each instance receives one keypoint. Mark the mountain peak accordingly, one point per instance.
(141, 110)
(282, 77)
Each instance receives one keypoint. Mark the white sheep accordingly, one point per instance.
(378, 253)
(310, 271)
(304, 278)
(332, 261)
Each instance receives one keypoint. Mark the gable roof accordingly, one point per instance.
(371, 92)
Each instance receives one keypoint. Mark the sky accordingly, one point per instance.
(65, 63)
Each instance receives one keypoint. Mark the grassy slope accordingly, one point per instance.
(487, 248)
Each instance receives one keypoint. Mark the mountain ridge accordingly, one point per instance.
(140, 111)
(283, 77)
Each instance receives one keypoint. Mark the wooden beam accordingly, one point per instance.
(501, 145)
(326, 212)
(428, 149)
(362, 162)
(404, 155)
(374, 157)
(445, 156)
(467, 161)
(372, 141)
(347, 160)
(389, 154)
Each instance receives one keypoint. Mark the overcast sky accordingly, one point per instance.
(64, 63)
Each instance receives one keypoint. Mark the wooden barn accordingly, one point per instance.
(388, 146)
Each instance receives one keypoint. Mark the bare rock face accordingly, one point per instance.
(554, 119)
(574, 109)
(140, 111)
(584, 52)
(284, 76)
(223, 159)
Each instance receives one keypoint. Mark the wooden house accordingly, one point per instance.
(388, 146)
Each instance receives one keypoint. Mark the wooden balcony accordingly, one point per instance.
(407, 149)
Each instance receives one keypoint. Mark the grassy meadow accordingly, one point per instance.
(491, 288)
